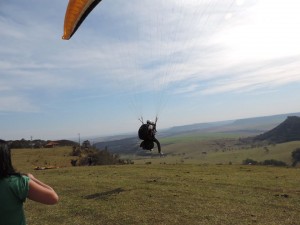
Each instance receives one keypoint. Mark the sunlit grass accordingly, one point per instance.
(163, 193)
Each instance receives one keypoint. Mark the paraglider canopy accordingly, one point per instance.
(76, 13)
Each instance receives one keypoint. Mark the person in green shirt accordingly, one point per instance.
(15, 188)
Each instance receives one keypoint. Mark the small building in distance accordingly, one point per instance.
(51, 144)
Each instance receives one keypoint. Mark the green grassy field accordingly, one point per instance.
(163, 192)
(217, 148)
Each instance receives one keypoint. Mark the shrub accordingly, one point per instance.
(273, 162)
(75, 151)
(296, 156)
(250, 162)
(100, 157)
(269, 162)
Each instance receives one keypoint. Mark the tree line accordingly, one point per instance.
(295, 157)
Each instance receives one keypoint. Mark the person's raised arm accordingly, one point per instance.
(40, 192)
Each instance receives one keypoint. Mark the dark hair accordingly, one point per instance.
(6, 168)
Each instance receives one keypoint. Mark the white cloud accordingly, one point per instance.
(188, 48)
(269, 31)
(16, 104)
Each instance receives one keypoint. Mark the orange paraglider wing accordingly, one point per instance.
(76, 13)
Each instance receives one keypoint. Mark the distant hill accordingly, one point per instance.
(16, 144)
(198, 127)
(124, 146)
(245, 127)
(288, 130)
(255, 125)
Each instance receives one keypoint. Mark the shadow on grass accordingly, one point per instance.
(104, 195)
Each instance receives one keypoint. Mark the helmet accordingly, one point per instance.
(150, 122)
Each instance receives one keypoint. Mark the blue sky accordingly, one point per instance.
(187, 61)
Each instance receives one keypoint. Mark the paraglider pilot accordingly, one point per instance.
(147, 133)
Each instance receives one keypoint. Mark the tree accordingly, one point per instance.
(86, 144)
(296, 156)
(249, 162)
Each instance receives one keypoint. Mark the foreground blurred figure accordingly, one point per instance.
(16, 187)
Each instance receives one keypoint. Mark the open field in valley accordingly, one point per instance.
(217, 149)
